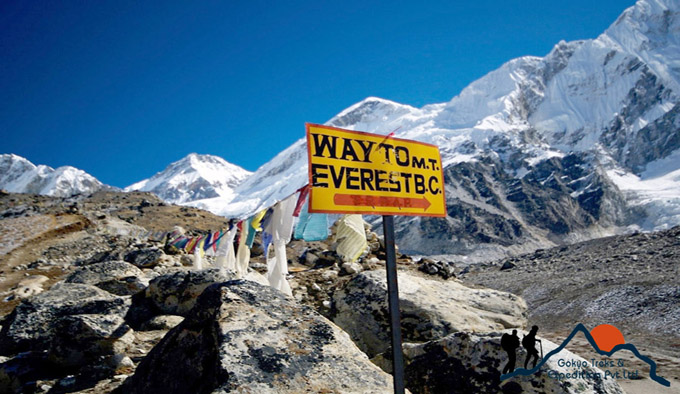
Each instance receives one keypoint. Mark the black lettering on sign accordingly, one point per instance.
(419, 182)
(396, 185)
(324, 142)
(387, 148)
(366, 147)
(418, 163)
(349, 179)
(433, 190)
(366, 179)
(407, 179)
(348, 151)
(380, 181)
(337, 177)
(401, 156)
(433, 163)
(318, 176)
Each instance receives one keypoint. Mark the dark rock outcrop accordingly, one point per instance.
(245, 337)
(490, 209)
(79, 340)
(176, 293)
(144, 258)
(116, 277)
(31, 325)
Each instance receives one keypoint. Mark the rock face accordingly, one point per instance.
(144, 258)
(116, 277)
(429, 309)
(82, 339)
(490, 209)
(471, 363)
(176, 293)
(32, 323)
(244, 337)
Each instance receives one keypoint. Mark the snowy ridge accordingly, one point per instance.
(194, 177)
(18, 175)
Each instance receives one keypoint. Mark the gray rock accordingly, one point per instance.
(309, 257)
(429, 309)
(116, 277)
(508, 265)
(83, 339)
(350, 268)
(19, 374)
(245, 337)
(440, 268)
(176, 293)
(471, 363)
(30, 325)
(162, 322)
(144, 258)
(327, 259)
(29, 286)
(121, 362)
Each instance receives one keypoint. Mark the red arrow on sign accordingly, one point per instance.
(381, 201)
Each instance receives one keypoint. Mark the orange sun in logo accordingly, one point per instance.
(607, 336)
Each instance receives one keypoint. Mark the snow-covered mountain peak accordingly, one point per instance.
(211, 166)
(369, 112)
(492, 96)
(19, 175)
(651, 31)
(194, 177)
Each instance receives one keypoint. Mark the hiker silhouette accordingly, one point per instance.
(529, 343)
(510, 343)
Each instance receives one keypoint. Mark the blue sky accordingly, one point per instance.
(121, 89)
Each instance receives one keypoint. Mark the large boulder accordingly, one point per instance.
(144, 258)
(116, 277)
(85, 339)
(31, 325)
(430, 309)
(472, 363)
(245, 337)
(176, 293)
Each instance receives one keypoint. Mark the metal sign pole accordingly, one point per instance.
(393, 299)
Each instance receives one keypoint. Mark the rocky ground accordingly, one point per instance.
(629, 281)
(89, 305)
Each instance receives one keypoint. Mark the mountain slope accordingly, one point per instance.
(194, 177)
(18, 175)
(538, 152)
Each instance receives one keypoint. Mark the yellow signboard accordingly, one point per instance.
(356, 172)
